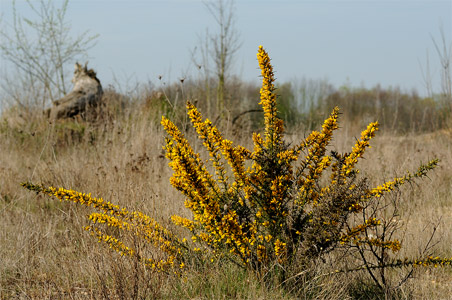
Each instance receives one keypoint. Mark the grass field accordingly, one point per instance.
(46, 254)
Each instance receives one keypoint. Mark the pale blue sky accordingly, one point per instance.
(356, 42)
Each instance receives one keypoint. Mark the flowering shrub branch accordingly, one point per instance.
(114, 216)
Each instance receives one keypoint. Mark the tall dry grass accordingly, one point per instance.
(46, 254)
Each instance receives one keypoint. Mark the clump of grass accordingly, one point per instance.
(279, 205)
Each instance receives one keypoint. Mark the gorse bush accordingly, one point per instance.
(279, 205)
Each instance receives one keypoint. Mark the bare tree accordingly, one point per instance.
(225, 44)
(426, 75)
(444, 51)
(443, 48)
(40, 47)
(203, 65)
(220, 48)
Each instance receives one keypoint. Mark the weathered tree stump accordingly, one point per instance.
(84, 99)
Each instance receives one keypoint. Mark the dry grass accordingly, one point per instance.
(45, 253)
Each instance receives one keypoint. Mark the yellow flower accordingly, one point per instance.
(273, 125)
(280, 248)
(358, 150)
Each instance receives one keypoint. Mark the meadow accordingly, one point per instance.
(46, 253)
